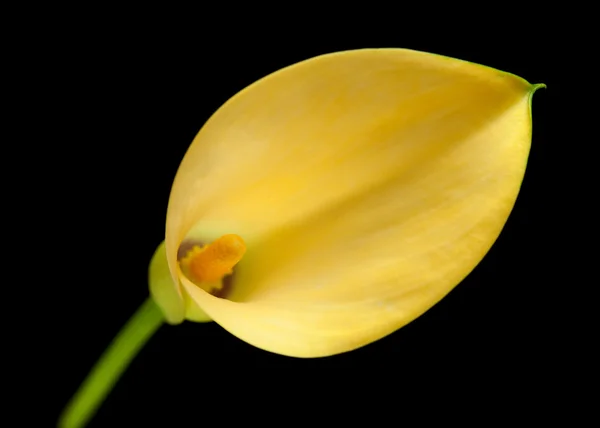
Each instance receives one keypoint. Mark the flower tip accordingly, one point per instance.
(534, 89)
(537, 86)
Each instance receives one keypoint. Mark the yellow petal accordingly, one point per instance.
(366, 185)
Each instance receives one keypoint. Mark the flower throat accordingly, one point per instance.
(210, 266)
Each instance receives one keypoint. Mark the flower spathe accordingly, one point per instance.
(365, 184)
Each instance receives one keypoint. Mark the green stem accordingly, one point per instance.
(132, 337)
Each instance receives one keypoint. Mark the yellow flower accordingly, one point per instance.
(349, 193)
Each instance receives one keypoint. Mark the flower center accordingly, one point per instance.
(207, 265)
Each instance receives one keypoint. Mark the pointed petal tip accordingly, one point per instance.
(537, 86)
(533, 90)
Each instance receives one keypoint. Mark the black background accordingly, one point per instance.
(123, 106)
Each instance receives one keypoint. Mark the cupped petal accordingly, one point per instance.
(366, 184)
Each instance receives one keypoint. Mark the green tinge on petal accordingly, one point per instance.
(162, 290)
(175, 306)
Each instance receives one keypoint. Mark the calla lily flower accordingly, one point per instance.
(364, 185)
(331, 203)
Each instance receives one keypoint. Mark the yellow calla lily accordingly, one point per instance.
(366, 184)
(331, 203)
